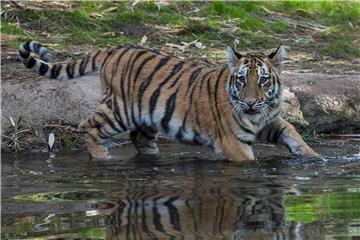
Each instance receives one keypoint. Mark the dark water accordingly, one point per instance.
(182, 195)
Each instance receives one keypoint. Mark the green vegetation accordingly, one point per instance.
(334, 26)
(314, 207)
(279, 26)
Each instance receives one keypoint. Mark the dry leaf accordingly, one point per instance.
(143, 40)
(12, 121)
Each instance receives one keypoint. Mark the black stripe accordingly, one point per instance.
(99, 127)
(178, 77)
(190, 105)
(143, 220)
(70, 69)
(278, 134)
(55, 71)
(83, 64)
(132, 62)
(27, 46)
(245, 141)
(123, 96)
(116, 107)
(169, 110)
(153, 100)
(93, 60)
(157, 217)
(193, 76)
(144, 85)
(24, 55)
(36, 47)
(155, 95)
(275, 136)
(203, 78)
(210, 100)
(92, 137)
(139, 68)
(43, 68)
(216, 96)
(174, 214)
(129, 217)
(276, 114)
(109, 121)
(268, 136)
(117, 115)
(245, 129)
(200, 89)
(109, 54)
(31, 63)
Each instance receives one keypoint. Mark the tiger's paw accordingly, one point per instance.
(100, 154)
(307, 152)
(312, 154)
(97, 151)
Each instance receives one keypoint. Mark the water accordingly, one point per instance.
(184, 194)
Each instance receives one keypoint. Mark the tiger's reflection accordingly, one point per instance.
(214, 212)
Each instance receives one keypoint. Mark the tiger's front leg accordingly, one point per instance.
(144, 139)
(280, 131)
(97, 128)
(234, 150)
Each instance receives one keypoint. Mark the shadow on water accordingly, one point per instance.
(181, 195)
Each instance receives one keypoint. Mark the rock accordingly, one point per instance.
(318, 102)
(329, 103)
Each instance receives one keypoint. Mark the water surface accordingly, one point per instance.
(183, 194)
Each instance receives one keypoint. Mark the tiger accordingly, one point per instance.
(226, 107)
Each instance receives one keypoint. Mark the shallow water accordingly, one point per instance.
(183, 195)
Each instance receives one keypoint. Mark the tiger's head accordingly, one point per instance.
(254, 87)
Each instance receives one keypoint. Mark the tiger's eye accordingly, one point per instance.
(263, 80)
(241, 80)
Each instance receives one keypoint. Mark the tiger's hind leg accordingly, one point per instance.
(144, 139)
(100, 126)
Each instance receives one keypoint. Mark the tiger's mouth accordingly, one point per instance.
(251, 111)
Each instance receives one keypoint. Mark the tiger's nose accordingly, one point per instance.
(250, 101)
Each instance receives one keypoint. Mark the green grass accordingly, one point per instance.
(279, 26)
(329, 12)
(147, 12)
(253, 25)
(245, 11)
(10, 28)
(337, 44)
(340, 49)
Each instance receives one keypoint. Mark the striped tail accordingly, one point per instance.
(80, 67)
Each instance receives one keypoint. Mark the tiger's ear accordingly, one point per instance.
(233, 57)
(277, 57)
